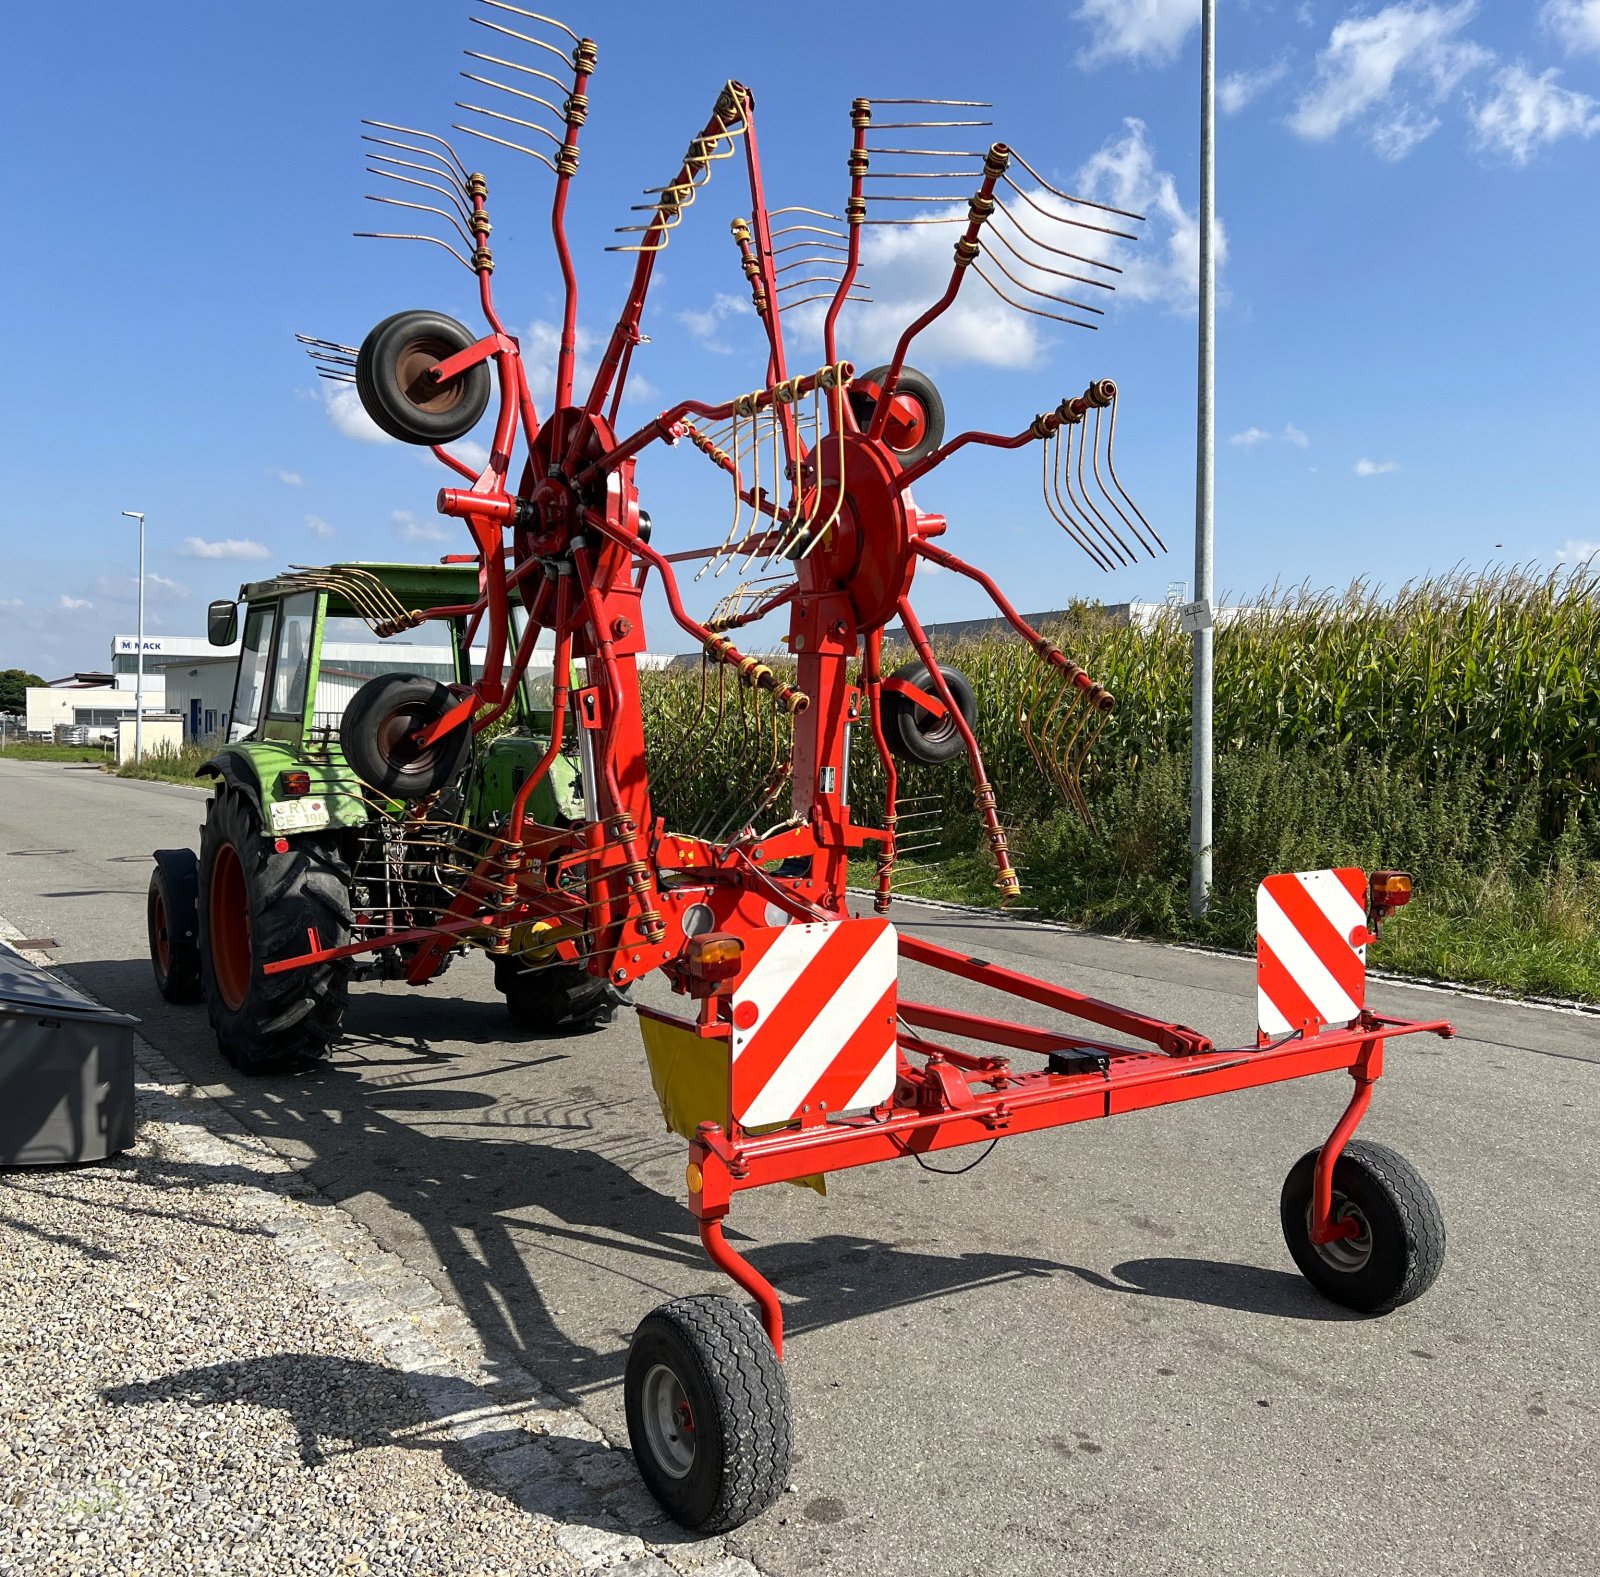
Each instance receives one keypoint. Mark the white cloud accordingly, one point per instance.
(1577, 551)
(73, 604)
(1387, 72)
(1365, 467)
(705, 323)
(318, 527)
(1525, 111)
(1138, 30)
(343, 407)
(1575, 23)
(1252, 436)
(290, 478)
(173, 588)
(1164, 265)
(467, 450)
(1240, 88)
(227, 548)
(409, 529)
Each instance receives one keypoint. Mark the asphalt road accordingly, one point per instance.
(1092, 1353)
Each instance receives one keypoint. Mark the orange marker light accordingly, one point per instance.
(1388, 890)
(714, 956)
(295, 784)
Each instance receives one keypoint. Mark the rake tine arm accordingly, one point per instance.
(1040, 427)
(584, 58)
(855, 210)
(872, 683)
(1100, 698)
(966, 250)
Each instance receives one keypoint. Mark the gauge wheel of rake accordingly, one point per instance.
(916, 424)
(378, 736)
(914, 733)
(396, 390)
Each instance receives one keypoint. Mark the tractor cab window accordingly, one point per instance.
(292, 669)
(537, 677)
(250, 685)
(352, 654)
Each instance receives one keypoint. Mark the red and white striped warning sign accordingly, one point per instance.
(814, 1020)
(1311, 953)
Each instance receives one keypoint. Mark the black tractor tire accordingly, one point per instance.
(913, 385)
(1399, 1251)
(394, 387)
(172, 921)
(558, 998)
(375, 735)
(914, 734)
(259, 905)
(708, 1412)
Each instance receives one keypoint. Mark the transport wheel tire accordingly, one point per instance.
(927, 426)
(394, 387)
(914, 734)
(708, 1412)
(375, 735)
(256, 906)
(557, 998)
(172, 920)
(1399, 1249)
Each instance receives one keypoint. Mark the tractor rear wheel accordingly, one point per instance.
(260, 903)
(559, 998)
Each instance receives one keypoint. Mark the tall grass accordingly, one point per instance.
(1453, 728)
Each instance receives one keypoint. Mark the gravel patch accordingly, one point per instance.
(206, 1367)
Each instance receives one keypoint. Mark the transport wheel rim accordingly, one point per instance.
(1345, 1254)
(668, 1422)
(411, 373)
(397, 744)
(230, 927)
(163, 939)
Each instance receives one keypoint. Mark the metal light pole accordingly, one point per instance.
(1200, 837)
(138, 683)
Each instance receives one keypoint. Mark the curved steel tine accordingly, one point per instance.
(534, 16)
(395, 235)
(1065, 301)
(1063, 219)
(1094, 460)
(510, 120)
(502, 87)
(432, 186)
(446, 168)
(426, 136)
(1067, 522)
(1044, 246)
(426, 208)
(1083, 490)
(1038, 312)
(512, 65)
(1111, 466)
(517, 147)
(511, 32)
(1071, 197)
(1077, 508)
(1059, 273)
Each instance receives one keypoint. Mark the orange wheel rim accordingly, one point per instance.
(229, 914)
(163, 939)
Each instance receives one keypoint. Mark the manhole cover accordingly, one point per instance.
(127, 859)
(31, 854)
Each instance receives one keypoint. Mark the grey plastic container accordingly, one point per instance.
(66, 1070)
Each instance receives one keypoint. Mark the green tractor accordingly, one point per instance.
(317, 845)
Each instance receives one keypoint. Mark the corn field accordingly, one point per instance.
(1453, 726)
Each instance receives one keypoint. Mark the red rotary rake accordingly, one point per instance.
(800, 1056)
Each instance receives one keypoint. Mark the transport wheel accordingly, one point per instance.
(916, 438)
(395, 389)
(1398, 1249)
(258, 905)
(914, 733)
(557, 997)
(375, 735)
(708, 1412)
(172, 920)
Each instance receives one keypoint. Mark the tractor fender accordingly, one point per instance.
(181, 868)
(233, 772)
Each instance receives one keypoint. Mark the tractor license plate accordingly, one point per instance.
(299, 815)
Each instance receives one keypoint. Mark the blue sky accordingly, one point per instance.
(1408, 343)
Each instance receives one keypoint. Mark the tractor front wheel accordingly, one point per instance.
(260, 903)
(708, 1412)
(556, 999)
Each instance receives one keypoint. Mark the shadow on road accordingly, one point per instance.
(484, 1190)
(1250, 1289)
